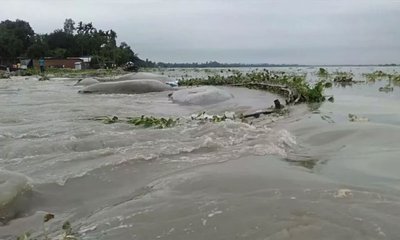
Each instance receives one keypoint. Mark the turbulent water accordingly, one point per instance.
(310, 175)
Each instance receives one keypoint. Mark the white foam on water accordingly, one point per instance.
(71, 156)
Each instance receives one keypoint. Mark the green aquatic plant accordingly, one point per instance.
(202, 117)
(328, 85)
(108, 120)
(142, 121)
(380, 75)
(342, 77)
(377, 75)
(314, 94)
(322, 72)
(396, 77)
(153, 122)
(294, 87)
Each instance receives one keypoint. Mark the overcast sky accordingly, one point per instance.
(246, 31)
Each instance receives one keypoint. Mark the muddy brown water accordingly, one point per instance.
(311, 175)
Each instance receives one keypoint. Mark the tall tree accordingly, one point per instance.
(10, 46)
(69, 26)
(39, 48)
(15, 38)
(124, 54)
(58, 39)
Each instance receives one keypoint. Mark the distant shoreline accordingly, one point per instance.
(261, 65)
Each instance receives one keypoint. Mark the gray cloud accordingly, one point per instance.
(284, 31)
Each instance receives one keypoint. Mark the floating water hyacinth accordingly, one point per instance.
(322, 72)
(154, 122)
(293, 87)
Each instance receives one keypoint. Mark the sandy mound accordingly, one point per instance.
(127, 87)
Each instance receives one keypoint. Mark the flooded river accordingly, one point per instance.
(310, 175)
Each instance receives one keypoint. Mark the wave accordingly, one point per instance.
(59, 160)
(14, 190)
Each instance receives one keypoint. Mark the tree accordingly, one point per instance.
(69, 26)
(10, 46)
(15, 38)
(58, 39)
(79, 29)
(112, 36)
(96, 62)
(124, 54)
(58, 53)
(21, 30)
(39, 48)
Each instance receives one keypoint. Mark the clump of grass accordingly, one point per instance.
(294, 87)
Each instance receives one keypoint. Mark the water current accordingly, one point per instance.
(312, 174)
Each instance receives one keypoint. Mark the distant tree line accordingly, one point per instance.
(214, 64)
(17, 39)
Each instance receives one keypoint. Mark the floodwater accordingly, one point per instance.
(312, 174)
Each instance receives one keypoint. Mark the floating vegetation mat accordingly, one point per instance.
(293, 87)
(380, 75)
(160, 123)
